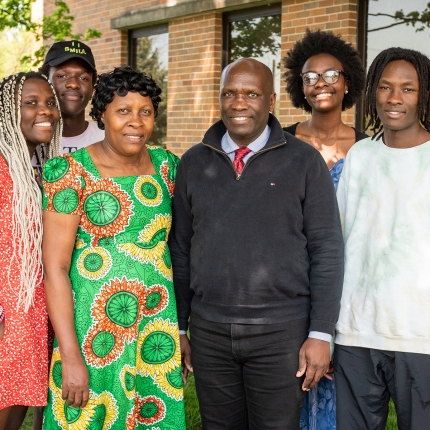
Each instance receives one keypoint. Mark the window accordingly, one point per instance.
(149, 53)
(383, 31)
(255, 33)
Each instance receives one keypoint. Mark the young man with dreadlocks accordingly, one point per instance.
(29, 117)
(383, 334)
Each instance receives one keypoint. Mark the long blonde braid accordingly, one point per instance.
(26, 197)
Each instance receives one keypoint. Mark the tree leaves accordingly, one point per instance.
(413, 18)
(255, 37)
(148, 61)
(16, 14)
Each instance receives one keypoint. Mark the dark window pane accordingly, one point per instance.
(256, 37)
(150, 56)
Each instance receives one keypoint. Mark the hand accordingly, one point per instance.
(185, 356)
(75, 389)
(314, 360)
(329, 372)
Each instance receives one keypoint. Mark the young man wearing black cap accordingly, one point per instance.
(71, 69)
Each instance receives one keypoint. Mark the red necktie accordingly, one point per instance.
(238, 158)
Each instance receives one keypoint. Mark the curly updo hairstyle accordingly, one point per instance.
(120, 81)
(323, 42)
(422, 66)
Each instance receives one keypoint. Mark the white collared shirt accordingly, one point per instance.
(229, 147)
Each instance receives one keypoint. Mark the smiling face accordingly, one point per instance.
(128, 122)
(73, 83)
(246, 99)
(397, 96)
(39, 113)
(322, 96)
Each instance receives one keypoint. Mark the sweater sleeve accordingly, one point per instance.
(321, 224)
(180, 245)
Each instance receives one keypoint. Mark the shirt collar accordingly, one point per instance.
(229, 146)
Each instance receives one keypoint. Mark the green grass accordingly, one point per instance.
(28, 423)
(192, 413)
(392, 418)
(192, 410)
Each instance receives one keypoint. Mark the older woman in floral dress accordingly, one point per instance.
(116, 361)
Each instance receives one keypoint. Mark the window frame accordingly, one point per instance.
(136, 33)
(362, 20)
(240, 15)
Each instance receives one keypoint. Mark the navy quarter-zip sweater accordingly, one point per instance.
(260, 248)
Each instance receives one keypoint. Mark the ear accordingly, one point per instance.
(272, 102)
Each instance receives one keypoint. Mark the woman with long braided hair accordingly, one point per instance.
(29, 116)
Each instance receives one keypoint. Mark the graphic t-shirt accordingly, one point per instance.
(71, 144)
(91, 135)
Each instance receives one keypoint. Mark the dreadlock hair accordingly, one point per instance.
(422, 66)
(323, 42)
(26, 194)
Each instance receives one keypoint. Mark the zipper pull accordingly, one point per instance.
(237, 177)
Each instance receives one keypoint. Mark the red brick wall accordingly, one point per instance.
(111, 49)
(195, 46)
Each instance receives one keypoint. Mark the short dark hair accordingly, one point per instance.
(323, 42)
(46, 70)
(120, 81)
(422, 66)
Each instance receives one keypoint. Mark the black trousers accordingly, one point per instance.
(246, 374)
(367, 378)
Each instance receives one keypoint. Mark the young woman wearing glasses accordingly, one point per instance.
(324, 77)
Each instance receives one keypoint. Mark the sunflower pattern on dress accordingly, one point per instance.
(125, 308)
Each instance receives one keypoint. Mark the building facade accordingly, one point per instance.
(185, 44)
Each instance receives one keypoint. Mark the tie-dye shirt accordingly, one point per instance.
(384, 202)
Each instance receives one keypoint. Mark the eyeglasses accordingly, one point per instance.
(329, 77)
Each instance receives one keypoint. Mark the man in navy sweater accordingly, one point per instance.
(257, 255)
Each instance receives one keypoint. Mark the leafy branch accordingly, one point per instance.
(16, 13)
(422, 19)
(57, 26)
(255, 37)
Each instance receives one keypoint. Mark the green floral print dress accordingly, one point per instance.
(125, 309)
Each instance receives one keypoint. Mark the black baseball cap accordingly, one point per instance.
(60, 52)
